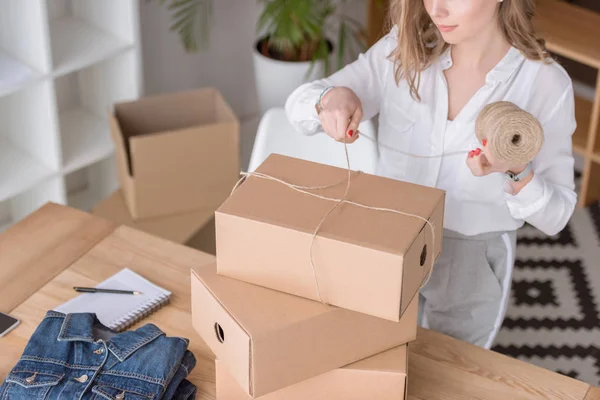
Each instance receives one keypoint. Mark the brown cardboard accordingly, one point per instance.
(176, 152)
(194, 229)
(367, 261)
(380, 377)
(270, 340)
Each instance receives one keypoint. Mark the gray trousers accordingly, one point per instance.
(467, 294)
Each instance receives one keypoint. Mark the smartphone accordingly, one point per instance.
(7, 323)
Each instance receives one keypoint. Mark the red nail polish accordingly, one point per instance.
(477, 151)
(484, 141)
(350, 133)
(471, 153)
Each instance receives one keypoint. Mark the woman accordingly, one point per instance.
(428, 78)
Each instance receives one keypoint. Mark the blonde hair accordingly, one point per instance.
(420, 41)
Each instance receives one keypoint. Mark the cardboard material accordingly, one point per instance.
(194, 229)
(175, 153)
(365, 260)
(270, 340)
(380, 377)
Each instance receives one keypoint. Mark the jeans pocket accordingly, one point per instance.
(27, 384)
(112, 392)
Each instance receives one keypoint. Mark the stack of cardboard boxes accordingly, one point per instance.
(283, 327)
(178, 158)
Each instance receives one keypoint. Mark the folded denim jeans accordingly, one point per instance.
(74, 356)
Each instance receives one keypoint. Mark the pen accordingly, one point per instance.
(98, 290)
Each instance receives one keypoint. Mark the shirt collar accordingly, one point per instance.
(500, 73)
(80, 327)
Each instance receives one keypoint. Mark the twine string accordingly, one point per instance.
(514, 136)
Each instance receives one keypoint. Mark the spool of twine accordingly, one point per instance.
(514, 136)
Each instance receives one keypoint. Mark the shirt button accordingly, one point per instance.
(82, 379)
(99, 351)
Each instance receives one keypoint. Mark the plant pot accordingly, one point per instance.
(276, 80)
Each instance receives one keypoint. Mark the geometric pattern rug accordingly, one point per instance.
(553, 318)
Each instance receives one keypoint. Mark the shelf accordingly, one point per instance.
(86, 139)
(18, 207)
(82, 200)
(76, 45)
(83, 99)
(18, 170)
(569, 30)
(15, 75)
(88, 186)
(583, 111)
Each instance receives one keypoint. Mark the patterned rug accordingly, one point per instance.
(553, 319)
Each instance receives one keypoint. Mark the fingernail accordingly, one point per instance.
(484, 141)
(477, 151)
(350, 133)
(471, 153)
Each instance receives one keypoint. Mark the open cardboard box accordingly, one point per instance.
(194, 229)
(364, 260)
(270, 340)
(176, 152)
(380, 377)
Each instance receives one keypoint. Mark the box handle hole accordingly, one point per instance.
(423, 255)
(219, 332)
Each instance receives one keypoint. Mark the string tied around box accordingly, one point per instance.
(338, 202)
(514, 136)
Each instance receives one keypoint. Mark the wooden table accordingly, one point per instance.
(57, 247)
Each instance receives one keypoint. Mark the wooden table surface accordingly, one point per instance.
(55, 248)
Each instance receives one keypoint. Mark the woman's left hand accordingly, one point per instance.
(481, 162)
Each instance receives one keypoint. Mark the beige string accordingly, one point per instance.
(514, 136)
(512, 133)
(305, 190)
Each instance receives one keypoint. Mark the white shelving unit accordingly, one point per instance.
(63, 64)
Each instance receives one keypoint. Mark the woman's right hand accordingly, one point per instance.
(341, 114)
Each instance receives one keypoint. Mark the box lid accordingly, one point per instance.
(257, 331)
(275, 203)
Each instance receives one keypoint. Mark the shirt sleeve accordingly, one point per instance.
(548, 200)
(364, 76)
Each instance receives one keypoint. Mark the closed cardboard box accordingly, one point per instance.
(380, 377)
(175, 153)
(364, 260)
(270, 340)
(194, 229)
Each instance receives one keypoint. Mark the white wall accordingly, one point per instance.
(227, 64)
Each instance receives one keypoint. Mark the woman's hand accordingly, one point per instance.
(341, 114)
(482, 162)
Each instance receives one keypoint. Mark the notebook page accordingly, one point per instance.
(114, 310)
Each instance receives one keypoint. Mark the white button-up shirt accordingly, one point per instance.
(473, 204)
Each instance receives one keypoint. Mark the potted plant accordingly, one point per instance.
(294, 44)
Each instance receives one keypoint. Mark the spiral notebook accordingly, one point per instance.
(120, 311)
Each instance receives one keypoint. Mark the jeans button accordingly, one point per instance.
(99, 351)
(120, 396)
(82, 379)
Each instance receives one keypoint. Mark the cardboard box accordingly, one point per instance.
(380, 377)
(176, 152)
(365, 260)
(194, 229)
(270, 340)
